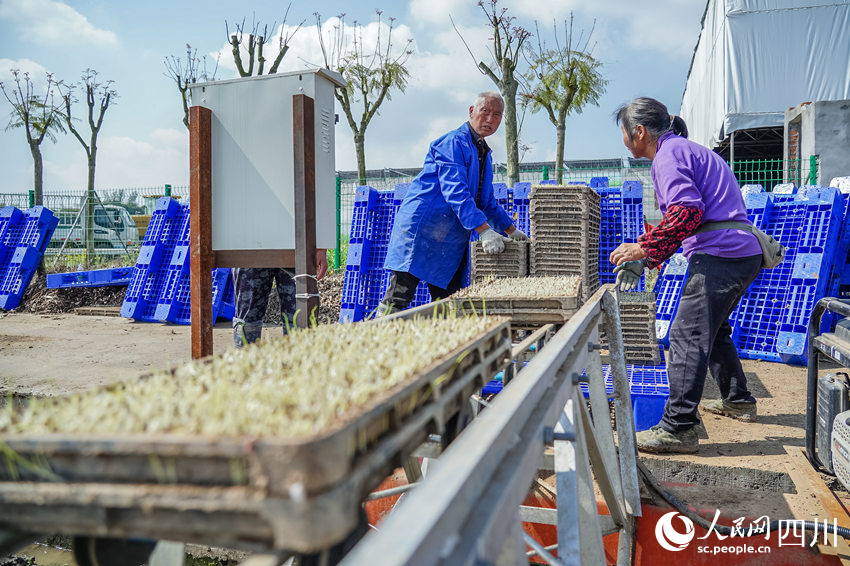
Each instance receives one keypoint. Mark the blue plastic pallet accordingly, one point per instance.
(92, 278)
(668, 289)
(221, 280)
(23, 238)
(809, 226)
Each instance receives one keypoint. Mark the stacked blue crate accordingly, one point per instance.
(771, 320)
(23, 238)
(159, 290)
(598, 182)
(520, 213)
(143, 289)
(353, 303)
(610, 230)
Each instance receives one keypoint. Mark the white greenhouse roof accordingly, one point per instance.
(757, 58)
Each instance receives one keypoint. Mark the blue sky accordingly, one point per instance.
(645, 48)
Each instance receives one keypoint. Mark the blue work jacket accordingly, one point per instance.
(432, 226)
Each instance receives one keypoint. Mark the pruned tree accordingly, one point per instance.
(371, 73)
(507, 46)
(38, 115)
(563, 80)
(185, 73)
(99, 95)
(254, 42)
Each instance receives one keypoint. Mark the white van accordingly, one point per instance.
(113, 226)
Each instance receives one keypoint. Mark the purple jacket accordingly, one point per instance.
(687, 174)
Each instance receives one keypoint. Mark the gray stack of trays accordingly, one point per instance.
(565, 222)
(513, 262)
(637, 321)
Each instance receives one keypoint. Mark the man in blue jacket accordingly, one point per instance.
(452, 196)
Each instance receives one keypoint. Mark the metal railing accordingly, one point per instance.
(468, 508)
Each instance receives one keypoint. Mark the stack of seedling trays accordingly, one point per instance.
(529, 301)
(172, 456)
(637, 322)
(513, 262)
(565, 222)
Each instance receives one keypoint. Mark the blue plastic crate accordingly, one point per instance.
(221, 278)
(92, 278)
(598, 182)
(164, 210)
(668, 289)
(521, 217)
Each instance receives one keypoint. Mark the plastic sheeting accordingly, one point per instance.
(756, 58)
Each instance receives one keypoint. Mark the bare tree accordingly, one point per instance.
(99, 95)
(254, 42)
(371, 74)
(38, 115)
(564, 80)
(507, 46)
(185, 73)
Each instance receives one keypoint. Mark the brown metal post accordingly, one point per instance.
(306, 288)
(200, 229)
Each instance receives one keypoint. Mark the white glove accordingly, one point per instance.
(518, 236)
(492, 242)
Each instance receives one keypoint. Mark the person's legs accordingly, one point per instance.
(286, 293)
(712, 290)
(456, 283)
(726, 368)
(251, 295)
(400, 293)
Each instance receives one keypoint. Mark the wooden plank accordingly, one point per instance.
(810, 486)
(589, 526)
(303, 144)
(255, 258)
(98, 311)
(569, 544)
(200, 229)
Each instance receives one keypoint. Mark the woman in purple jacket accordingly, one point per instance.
(693, 186)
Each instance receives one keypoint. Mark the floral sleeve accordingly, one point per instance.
(661, 242)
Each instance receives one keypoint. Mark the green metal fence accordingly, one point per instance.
(771, 172)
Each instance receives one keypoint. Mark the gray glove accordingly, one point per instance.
(518, 236)
(492, 242)
(628, 274)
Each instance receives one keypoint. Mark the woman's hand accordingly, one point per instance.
(627, 251)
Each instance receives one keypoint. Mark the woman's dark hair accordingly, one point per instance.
(650, 114)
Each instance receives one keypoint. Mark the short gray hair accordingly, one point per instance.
(483, 97)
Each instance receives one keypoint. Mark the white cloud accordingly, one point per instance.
(53, 22)
(127, 162)
(37, 73)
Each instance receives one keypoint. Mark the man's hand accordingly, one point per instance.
(628, 274)
(517, 235)
(492, 242)
(627, 252)
(321, 263)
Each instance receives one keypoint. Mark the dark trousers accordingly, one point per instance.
(251, 297)
(701, 337)
(402, 288)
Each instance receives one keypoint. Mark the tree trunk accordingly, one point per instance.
(89, 227)
(360, 148)
(511, 135)
(38, 174)
(559, 152)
